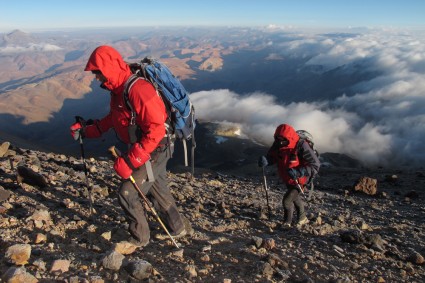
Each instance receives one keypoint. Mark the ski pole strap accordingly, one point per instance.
(193, 150)
(170, 141)
(149, 171)
(185, 152)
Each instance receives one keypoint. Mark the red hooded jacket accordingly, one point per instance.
(287, 157)
(147, 104)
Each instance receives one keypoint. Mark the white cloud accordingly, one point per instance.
(258, 116)
(383, 124)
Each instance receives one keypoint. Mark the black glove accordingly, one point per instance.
(80, 120)
(262, 161)
(297, 173)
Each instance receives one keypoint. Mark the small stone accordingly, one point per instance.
(269, 244)
(40, 238)
(18, 274)
(179, 253)
(139, 269)
(107, 235)
(113, 261)
(416, 258)
(205, 258)
(191, 270)
(60, 265)
(18, 254)
(4, 147)
(124, 248)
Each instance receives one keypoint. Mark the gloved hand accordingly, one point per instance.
(134, 158)
(262, 161)
(122, 168)
(77, 130)
(297, 173)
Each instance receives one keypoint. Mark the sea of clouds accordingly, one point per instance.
(382, 124)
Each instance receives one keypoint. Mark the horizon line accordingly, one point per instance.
(271, 26)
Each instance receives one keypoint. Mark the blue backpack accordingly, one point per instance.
(181, 111)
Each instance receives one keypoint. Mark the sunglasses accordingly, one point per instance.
(281, 141)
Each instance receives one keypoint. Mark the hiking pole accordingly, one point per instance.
(267, 194)
(89, 188)
(310, 193)
(300, 188)
(115, 153)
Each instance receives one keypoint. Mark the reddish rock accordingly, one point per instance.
(367, 185)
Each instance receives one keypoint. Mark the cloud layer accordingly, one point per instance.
(29, 48)
(382, 124)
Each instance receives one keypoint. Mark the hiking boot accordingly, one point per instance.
(303, 221)
(286, 225)
(174, 235)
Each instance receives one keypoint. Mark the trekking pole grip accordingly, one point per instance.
(114, 152)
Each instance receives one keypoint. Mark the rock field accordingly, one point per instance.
(48, 234)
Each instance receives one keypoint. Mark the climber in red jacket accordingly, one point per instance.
(151, 143)
(296, 164)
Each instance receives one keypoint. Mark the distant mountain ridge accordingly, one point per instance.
(17, 37)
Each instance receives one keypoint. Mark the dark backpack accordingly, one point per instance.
(181, 111)
(307, 137)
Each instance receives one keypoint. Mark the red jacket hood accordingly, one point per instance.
(111, 64)
(286, 131)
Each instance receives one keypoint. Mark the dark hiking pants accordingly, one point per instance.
(157, 191)
(292, 199)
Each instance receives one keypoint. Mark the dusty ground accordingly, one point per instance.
(351, 237)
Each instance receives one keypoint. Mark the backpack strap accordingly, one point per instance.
(128, 85)
(142, 74)
(299, 147)
(300, 153)
(130, 82)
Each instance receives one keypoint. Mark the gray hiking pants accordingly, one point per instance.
(157, 191)
(292, 199)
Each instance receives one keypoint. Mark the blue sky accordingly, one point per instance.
(30, 15)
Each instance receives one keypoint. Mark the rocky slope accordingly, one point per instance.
(48, 235)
